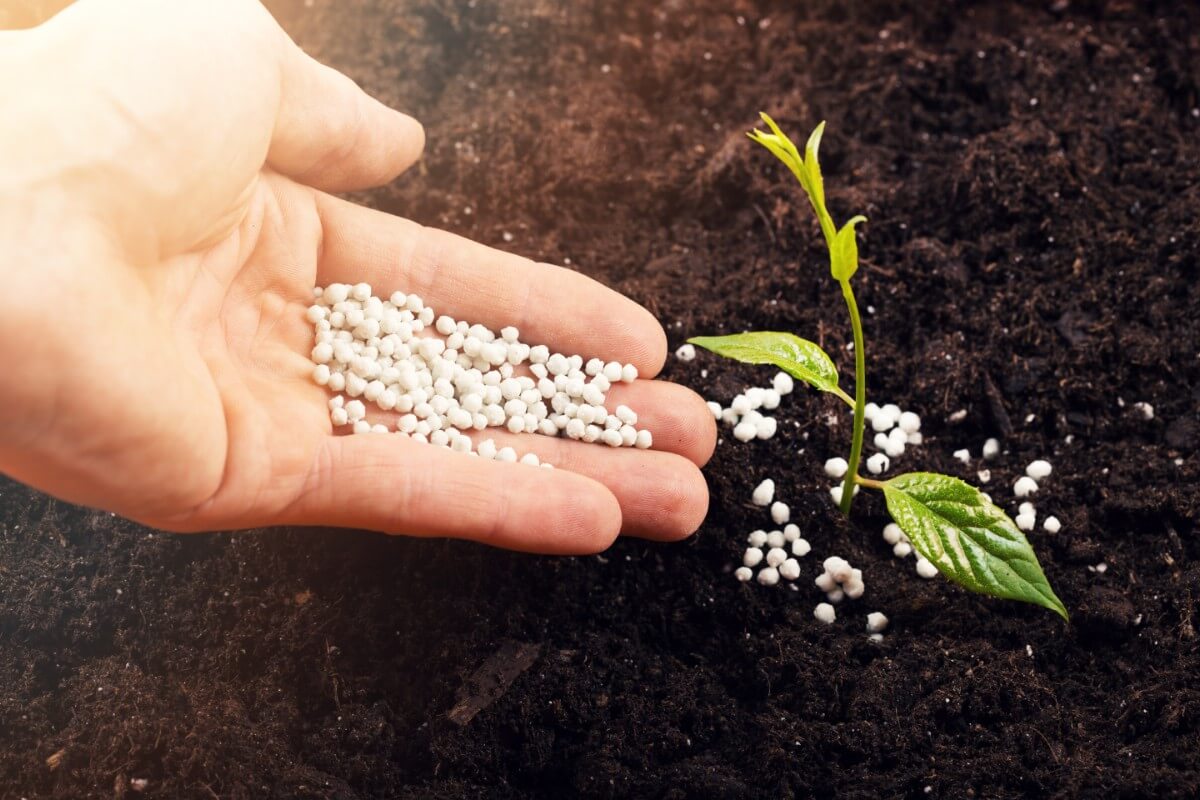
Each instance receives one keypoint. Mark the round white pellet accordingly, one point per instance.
(322, 353)
(629, 373)
(335, 293)
(557, 364)
(1026, 522)
(770, 400)
(825, 582)
(789, 569)
(764, 493)
(882, 422)
(963, 455)
(836, 467)
(909, 422)
(743, 574)
(612, 437)
(531, 459)
(892, 533)
(506, 454)
(688, 353)
(338, 417)
(783, 383)
(801, 548)
(775, 539)
(780, 513)
(628, 436)
(791, 532)
(1039, 469)
(991, 449)
(902, 550)
(824, 613)
(768, 576)
(745, 431)
(838, 568)
(881, 441)
(877, 622)
(878, 463)
(926, 569)
(1024, 486)
(776, 556)
(1052, 525)
(757, 538)
(355, 410)
(765, 428)
(715, 408)
(752, 557)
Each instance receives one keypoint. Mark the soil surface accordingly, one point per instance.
(1031, 259)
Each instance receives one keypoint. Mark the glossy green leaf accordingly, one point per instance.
(970, 540)
(843, 254)
(797, 357)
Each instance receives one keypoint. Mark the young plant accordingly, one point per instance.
(950, 523)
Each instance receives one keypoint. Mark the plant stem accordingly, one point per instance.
(870, 483)
(860, 398)
(847, 399)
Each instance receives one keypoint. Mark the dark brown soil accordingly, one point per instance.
(1032, 257)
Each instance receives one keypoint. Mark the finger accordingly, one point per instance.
(392, 484)
(332, 135)
(662, 496)
(550, 305)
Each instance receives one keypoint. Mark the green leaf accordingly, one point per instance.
(797, 357)
(813, 165)
(782, 148)
(843, 254)
(971, 541)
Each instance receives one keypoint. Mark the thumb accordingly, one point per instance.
(333, 136)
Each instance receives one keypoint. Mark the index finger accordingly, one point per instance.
(550, 305)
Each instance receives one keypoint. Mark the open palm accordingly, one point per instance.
(190, 406)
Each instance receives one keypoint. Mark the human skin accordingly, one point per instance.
(165, 211)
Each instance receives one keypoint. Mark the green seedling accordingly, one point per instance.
(950, 523)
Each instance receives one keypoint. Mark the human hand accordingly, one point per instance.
(163, 179)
